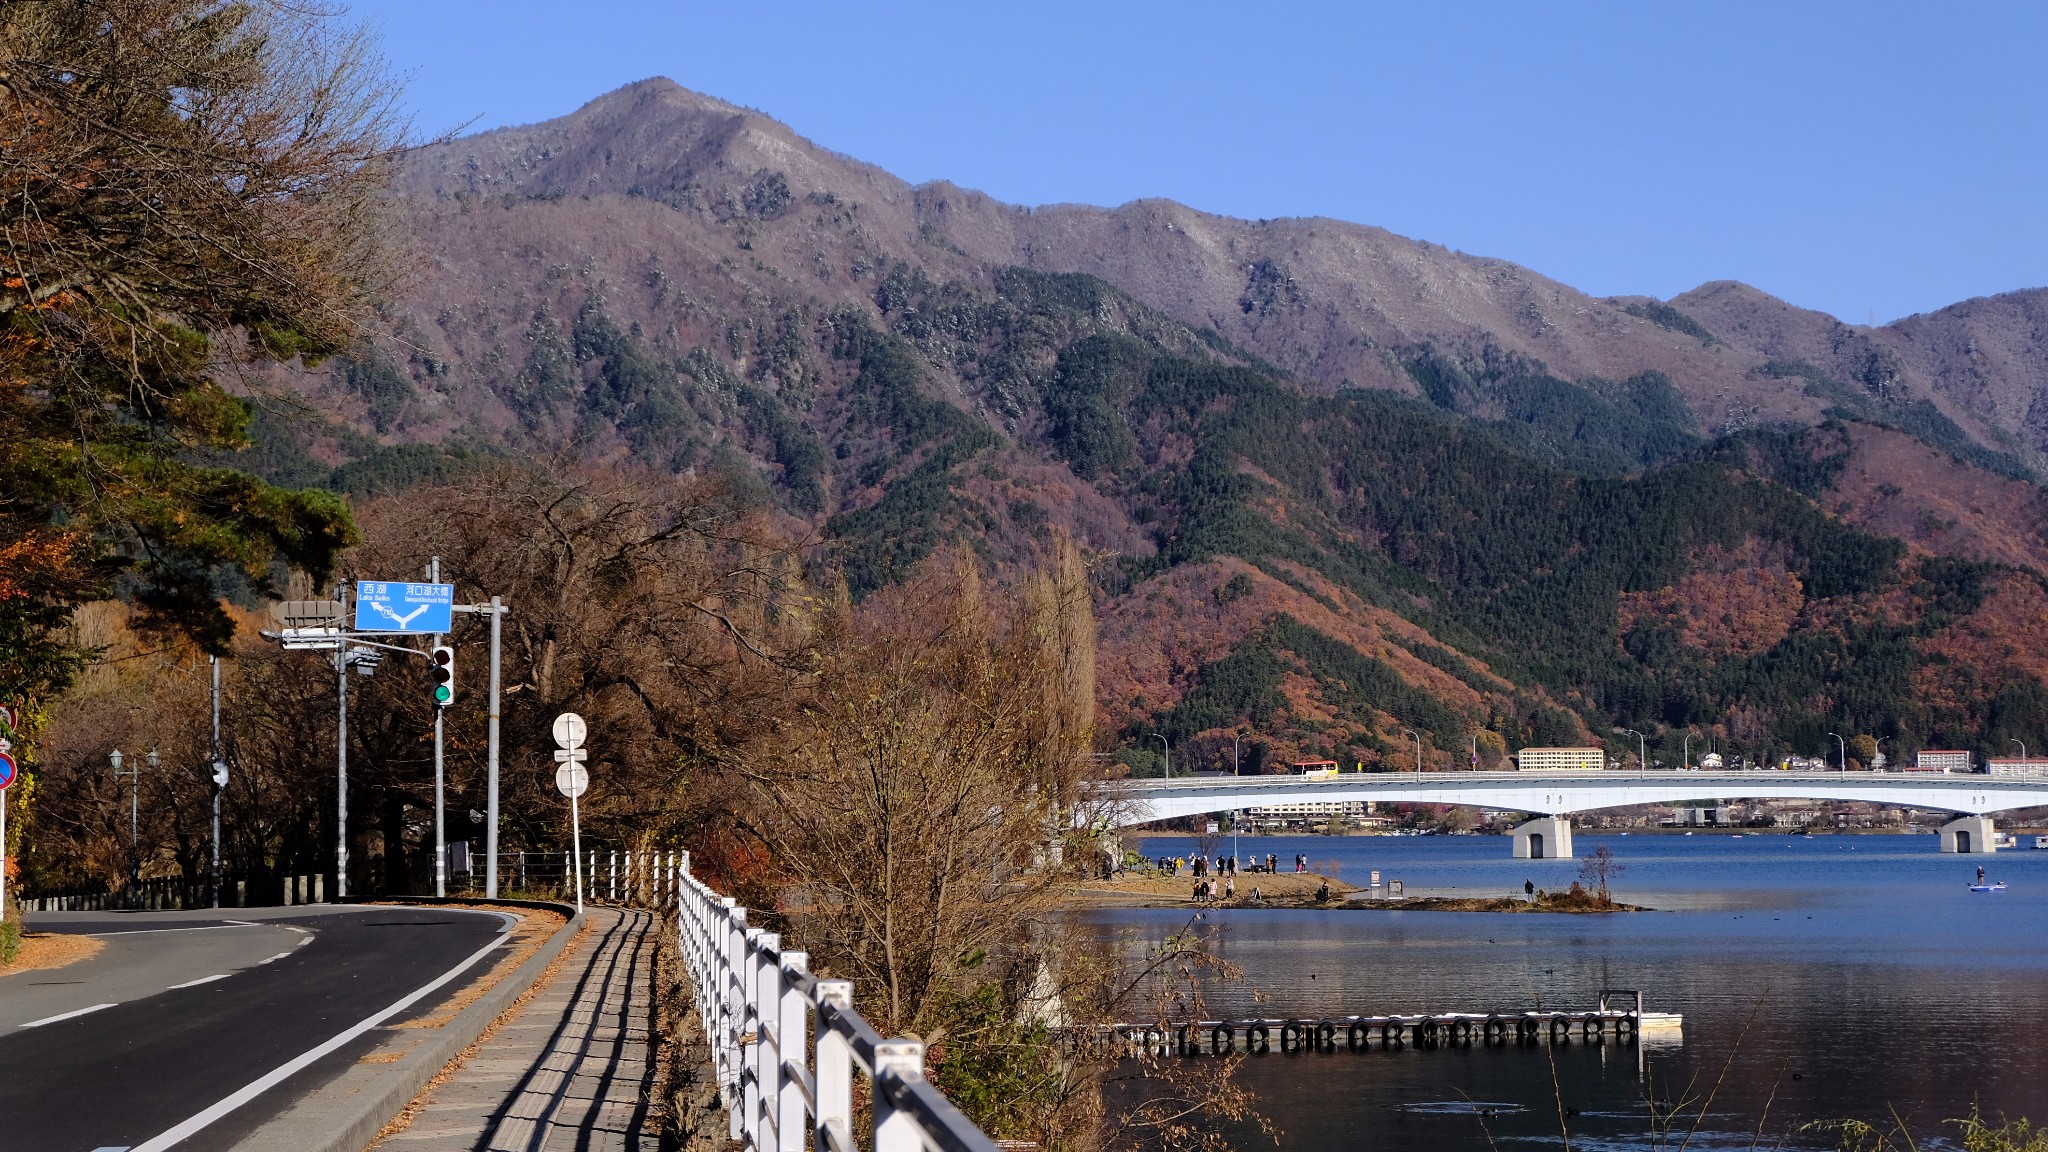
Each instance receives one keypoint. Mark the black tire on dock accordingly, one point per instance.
(1426, 1032)
(1390, 1034)
(1326, 1035)
(1462, 1030)
(1222, 1039)
(1256, 1038)
(1291, 1036)
(1184, 1040)
(1560, 1030)
(1527, 1029)
(1625, 1027)
(1591, 1026)
(1495, 1029)
(1359, 1036)
(1155, 1040)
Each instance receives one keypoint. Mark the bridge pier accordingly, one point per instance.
(1545, 838)
(1970, 835)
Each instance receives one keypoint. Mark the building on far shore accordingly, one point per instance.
(2028, 769)
(1941, 760)
(1561, 759)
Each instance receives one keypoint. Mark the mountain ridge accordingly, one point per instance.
(1352, 482)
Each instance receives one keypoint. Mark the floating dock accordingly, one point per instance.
(1298, 1034)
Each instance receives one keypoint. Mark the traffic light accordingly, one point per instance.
(444, 675)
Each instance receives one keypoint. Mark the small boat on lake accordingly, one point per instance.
(2040, 842)
(1998, 886)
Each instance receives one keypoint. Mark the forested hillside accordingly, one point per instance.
(1380, 489)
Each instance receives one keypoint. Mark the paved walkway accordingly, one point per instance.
(572, 1069)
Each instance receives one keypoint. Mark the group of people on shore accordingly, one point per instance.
(1201, 866)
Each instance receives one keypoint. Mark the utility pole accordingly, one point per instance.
(220, 783)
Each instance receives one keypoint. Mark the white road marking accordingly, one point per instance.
(198, 928)
(111, 1148)
(64, 1016)
(268, 959)
(303, 943)
(282, 1072)
(198, 982)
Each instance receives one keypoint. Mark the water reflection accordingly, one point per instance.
(1820, 978)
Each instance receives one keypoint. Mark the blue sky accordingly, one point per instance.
(1871, 160)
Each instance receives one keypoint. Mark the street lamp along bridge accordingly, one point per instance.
(1554, 796)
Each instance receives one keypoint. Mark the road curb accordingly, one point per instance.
(345, 1116)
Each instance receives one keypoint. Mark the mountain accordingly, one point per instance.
(1347, 484)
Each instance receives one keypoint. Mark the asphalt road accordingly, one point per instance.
(136, 1048)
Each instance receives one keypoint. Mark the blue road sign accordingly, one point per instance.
(7, 771)
(386, 606)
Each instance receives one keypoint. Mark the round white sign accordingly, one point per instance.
(570, 730)
(572, 780)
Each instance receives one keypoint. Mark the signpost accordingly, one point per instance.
(572, 779)
(8, 770)
(406, 609)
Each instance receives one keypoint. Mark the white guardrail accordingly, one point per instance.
(785, 1044)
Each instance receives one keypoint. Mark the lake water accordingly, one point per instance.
(1877, 981)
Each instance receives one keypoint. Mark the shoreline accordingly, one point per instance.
(1296, 890)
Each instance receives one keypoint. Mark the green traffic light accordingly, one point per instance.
(443, 694)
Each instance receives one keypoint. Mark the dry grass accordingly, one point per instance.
(50, 950)
(1288, 888)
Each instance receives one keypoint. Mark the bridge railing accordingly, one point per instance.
(785, 1044)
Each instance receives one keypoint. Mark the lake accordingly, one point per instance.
(1876, 981)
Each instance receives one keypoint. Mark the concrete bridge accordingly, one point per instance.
(1555, 796)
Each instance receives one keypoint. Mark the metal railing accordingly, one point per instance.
(785, 1044)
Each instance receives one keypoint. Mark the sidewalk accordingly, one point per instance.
(571, 1068)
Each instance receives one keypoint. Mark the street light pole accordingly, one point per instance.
(1168, 745)
(1642, 755)
(1843, 759)
(134, 776)
(2023, 751)
(219, 777)
(1418, 750)
(1685, 758)
(491, 757)
(1236, 736)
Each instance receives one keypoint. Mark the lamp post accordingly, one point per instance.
(2023, 752)
(1236, 736)
(1685, 758)
(1843, 759)
(134, 776)
(1418, 750)
(220, 784)
(1642, 750)
(1168, 745)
